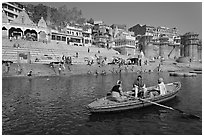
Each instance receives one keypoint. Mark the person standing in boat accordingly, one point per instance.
(139, 87)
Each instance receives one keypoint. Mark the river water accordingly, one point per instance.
(57, 105)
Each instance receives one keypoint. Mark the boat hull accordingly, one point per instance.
(105, 105)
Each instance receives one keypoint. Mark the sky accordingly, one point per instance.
(186, 16)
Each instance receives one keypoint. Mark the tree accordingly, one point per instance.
(39, 11)
(30, 10)
(91, 21)
(59, 17)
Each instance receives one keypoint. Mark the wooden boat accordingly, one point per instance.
(184, 74)
(106, 105)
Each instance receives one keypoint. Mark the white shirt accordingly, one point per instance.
(162, 88)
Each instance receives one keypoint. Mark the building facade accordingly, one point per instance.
(102, 35)
(124, 41)
(87, 34)
(12, 10)
(22, 27)
(166, 39)
(189, 47)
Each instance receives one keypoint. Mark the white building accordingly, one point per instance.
(87, 37)
(74, 35)
(125, 43)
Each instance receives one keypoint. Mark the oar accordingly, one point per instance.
(190, 115)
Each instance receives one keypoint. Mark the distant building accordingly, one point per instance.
(102, 35)
(21, 27)
(163, 37)
(12, 9)
(119, 27)
(74, 34)
(125, 43)
(124, 40)
(87, 35)
(98, 22)
(189, 46)
(154, 32)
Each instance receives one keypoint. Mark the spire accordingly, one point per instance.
(42, 23)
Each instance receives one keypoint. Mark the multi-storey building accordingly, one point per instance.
(166, 39)
(102, 34)
(189, 46)
(124, 40)
(12, 10)
(75, 35)
(87, 34)
(155, 33)
(125, 43)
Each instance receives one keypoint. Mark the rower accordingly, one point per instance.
(139, 87)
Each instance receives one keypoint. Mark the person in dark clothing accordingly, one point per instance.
(117, 92)
(30, 73)
(117, 89)
(138, 87)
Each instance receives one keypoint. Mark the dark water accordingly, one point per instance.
(56, 105)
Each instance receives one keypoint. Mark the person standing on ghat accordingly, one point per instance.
(8, 65)
(60, 68)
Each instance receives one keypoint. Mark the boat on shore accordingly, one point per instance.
(107, 105)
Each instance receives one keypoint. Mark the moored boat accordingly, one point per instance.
(106, 105)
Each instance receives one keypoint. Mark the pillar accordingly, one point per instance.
(195, 52)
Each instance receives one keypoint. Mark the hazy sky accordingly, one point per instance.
(186, 16)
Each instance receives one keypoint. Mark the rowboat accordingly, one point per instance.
(105, 104)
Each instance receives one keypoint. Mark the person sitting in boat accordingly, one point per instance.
(160, 88)
(117, 92)
(139, 87)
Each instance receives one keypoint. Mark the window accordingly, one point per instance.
(58, 38)
(86, 41)
(10, 15)
(53, 37)
(63, 38)
(10, 8)
(4, 5)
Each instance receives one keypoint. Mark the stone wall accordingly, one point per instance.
(155, 50)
